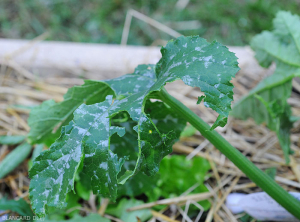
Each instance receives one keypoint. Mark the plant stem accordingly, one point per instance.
(263, 181)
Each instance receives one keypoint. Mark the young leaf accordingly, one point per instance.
(14, 158)
(177, 175)
(268, 101)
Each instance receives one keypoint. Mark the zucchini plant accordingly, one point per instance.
(111, 130)
(267, 102)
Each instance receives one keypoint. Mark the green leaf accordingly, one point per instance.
(166, 121)
(177, 175)
(54, 170)
(19, 206)
(188, 131)
(163, 118)
(36, 151)
(209, 66)
(11, 140)
(154, 127)
(267, 102)
(14, 158)
(72, 208)
(90, 218)
(46, 120)
(82, 191)
(137, 185)
(120, 211)
(152, 143)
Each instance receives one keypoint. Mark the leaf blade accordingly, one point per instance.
(19, 206)
(11, 140)
(14, 158)
(209, 66)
